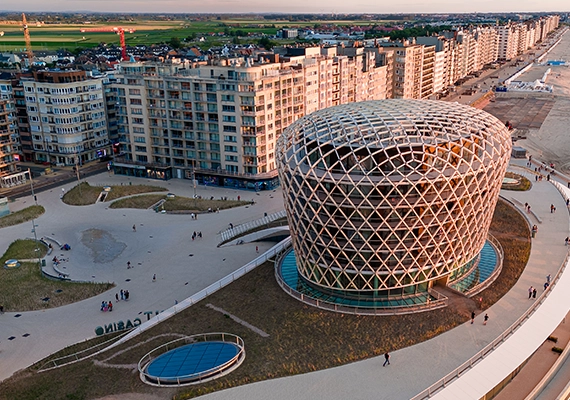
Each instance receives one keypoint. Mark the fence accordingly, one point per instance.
(197, 377)
(240, 229)
(456, 373)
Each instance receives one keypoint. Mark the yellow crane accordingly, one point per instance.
(28, 40)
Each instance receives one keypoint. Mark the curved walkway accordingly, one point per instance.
(417, 367)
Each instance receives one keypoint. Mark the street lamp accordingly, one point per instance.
(34, 222)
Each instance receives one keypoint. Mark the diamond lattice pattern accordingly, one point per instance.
(391, 193)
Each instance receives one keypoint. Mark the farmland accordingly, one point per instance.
(70, 37)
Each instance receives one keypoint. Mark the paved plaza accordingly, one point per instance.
(162, 245)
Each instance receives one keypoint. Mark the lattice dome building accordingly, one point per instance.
(384, 198)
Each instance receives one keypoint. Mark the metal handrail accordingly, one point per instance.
(197, 377)
(457, 372)
(75, 356)
(498, 268)
(440, 302)
(202, 294)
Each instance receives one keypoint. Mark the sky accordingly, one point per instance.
(289, 6)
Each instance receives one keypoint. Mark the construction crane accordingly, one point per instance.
(119, 31)
(28, 40)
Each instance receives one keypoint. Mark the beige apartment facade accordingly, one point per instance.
(218, 123)
(67, 117)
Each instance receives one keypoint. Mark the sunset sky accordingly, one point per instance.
(291, 6)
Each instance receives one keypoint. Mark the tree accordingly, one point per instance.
(175, 43)
(265, 43)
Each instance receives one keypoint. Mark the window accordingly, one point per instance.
(228, 128)
(229, 138)
(227, 97)
(139, 139)
(138, 121)
(228, 108)
(142, 149)
(230, 149)
(135, 92)
(136, 102)
(232, 158)
(229, 118)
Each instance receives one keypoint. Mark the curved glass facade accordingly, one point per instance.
(384, 197)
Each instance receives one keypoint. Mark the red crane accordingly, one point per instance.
(119, 31)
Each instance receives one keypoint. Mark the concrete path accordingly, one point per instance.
(415, 368)
(161, 245)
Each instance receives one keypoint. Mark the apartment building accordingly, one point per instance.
(218, 123)
(66, 114)
(9, 141)
(413, 70)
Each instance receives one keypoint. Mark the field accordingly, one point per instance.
(53, 37)
(70, 37)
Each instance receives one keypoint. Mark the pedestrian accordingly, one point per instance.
(102, 306)
(200, 234)
(546, 284)
(472, 316)
(127, 294)
(1, 309)
(154, 277)
(548, 277)
(386, 359)
(256, 249)
(485, 319)
(566, 241)
(534, 293)
(530, 289)
(122, 295)
(134, 228)
(116, 297)
(552, 208)
(567, 202)
(110, 306)
(128, 265)
(239, 197)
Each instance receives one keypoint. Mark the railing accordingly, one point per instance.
(498, 268)
(240, 229)
(202, 294)
(440, 300)
(196, 377)
(456, 373)
(78, 356)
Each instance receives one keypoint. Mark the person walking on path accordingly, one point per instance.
(548, 278)
(256, 249)
(566, 241)
(154, 277)
(110, 306)
(472, 316)
(134, 228)
(485, 319)
(530, 289)
(117, 297)
(386, 359)
(129, 265)
(122, 295)
(534, 293)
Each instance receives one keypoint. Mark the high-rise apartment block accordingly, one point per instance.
(219, 122)
(67, 118)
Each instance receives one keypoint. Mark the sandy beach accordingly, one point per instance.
(550, 142)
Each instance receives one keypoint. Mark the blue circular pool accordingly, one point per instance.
(191, 362)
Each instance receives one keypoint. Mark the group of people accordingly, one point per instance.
(196, 235)
(124, 295)
(485, 318)
(106, 306)
(532, 292)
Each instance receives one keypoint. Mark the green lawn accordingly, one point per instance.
(177, 203)
(19, 217)
(85, 194)
(24, 288)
